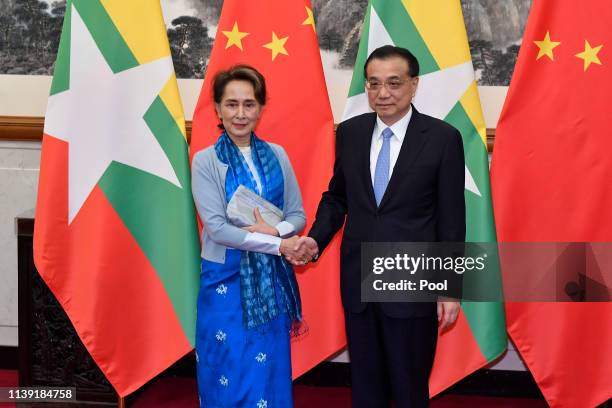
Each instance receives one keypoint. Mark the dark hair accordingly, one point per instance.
(389, 51)
(239, 73)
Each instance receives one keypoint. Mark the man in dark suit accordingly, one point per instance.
(398, 177)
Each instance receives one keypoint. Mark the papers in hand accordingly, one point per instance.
(243, 203)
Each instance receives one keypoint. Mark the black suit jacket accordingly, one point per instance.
(424, 200)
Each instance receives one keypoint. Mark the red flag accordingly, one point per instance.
(278, 38)
(551, 175)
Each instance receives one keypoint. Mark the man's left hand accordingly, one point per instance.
(448, 310)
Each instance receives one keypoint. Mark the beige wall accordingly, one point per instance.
(26, 95)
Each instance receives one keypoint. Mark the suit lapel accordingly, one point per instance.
(365, 144)
(411, 147)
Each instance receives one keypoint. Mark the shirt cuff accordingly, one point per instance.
(285, 229)
(258, 242)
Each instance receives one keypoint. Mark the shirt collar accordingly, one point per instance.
(399, 128)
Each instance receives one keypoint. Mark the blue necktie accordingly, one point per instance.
(381, 175)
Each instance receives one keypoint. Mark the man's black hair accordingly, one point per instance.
(389, 51)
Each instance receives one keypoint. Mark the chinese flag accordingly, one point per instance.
(278, 38)
(551, 179)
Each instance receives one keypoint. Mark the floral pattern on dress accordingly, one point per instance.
(221, 335)
(223, 381)
(262, 403)
(261, 357)
(221, 289)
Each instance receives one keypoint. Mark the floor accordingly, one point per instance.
(182, 393)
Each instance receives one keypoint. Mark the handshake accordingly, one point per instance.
(299, 250)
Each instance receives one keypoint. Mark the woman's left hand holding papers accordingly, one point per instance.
(261, 226)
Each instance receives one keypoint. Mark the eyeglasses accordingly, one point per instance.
(391, 85)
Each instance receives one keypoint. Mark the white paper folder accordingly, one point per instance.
(243, 203)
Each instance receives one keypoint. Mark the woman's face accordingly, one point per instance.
(239, 111)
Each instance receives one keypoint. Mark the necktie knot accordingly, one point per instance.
(387, 133)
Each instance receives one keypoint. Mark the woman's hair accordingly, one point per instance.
(240, 73)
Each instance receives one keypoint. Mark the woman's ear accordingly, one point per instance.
(218, 110)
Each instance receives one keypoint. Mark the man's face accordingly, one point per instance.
(391, 88)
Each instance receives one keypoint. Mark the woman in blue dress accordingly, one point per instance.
(249, 298)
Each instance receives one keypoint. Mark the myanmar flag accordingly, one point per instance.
(278, 38)
(116, 236)
(435, 33)
(551, 175)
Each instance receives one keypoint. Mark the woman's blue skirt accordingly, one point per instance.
(237, 367)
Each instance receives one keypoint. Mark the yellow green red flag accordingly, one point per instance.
(115, 237)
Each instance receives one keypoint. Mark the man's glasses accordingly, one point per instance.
(391, 85)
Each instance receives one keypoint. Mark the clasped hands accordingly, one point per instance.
(297, 250)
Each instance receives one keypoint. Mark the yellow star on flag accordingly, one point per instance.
(546, 47)
(277, 45)
(310, 19)
(589, 55)
(234, 37)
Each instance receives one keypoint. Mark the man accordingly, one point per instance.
(398, 176)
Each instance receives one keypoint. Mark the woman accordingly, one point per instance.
(248, 296)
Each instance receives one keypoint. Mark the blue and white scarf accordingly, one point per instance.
(259, 271)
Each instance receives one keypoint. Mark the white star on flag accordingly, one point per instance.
(101, 116)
